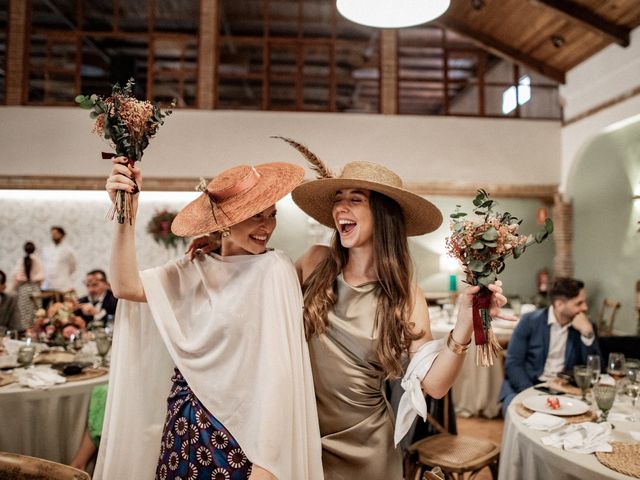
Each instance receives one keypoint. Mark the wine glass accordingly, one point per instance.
(593, 362)
(25, 355)
(103, 345)
(76, 342)
(615, 366)
(604, 395)
(632, 388)
(582, 375)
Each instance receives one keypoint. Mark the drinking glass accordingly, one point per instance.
(604, 395)
(615, 366)
(25, 355)
(593, 362)
(103, 344)
(582, 375)
(632, 388)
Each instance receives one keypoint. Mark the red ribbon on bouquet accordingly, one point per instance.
(486, 344)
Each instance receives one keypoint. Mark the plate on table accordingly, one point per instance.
(567, 406)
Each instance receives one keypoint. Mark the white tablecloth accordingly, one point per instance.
(523, 456)
(45, 423)
(476, 389)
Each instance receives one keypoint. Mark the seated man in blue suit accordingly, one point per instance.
(549, 340)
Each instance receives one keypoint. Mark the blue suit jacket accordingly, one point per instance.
(528, 350)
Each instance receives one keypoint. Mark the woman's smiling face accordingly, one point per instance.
(250, 237)
(352, 217)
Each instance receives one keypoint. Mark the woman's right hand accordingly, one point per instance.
(123, 177)
(205, 244)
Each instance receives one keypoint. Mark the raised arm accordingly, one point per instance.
(446, 366)
(123, 267)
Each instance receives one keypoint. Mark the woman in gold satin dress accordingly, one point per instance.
(364, 313)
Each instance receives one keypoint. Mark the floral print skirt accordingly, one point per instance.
(195, 445)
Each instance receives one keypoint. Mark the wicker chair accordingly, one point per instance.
(610, 307)
(23, 467)
(456, 455)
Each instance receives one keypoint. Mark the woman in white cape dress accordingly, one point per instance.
(241, 401)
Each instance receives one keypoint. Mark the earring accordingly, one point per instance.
(225, 232)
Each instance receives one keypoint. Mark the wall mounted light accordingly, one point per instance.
(392, 13)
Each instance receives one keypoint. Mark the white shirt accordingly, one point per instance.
(59, 266)
(557, 346)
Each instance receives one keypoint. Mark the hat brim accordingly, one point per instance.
(276, 180)
(315, 198)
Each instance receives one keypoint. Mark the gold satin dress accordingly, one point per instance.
(356, 423)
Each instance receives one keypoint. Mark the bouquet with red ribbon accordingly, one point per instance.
(128, 124)
(482, 247)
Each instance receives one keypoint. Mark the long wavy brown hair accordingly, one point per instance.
(395, 275)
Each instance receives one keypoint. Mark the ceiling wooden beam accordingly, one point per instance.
(501, 49)
(588, 19)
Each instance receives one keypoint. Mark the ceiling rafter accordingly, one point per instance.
(501, 49)
(588, 19)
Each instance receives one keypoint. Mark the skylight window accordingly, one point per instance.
(522, 93)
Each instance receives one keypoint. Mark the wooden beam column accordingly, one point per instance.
(389, 71)
(562, 237)
(17, 47)
(207, 59)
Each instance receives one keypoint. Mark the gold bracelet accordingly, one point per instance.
(455, 347)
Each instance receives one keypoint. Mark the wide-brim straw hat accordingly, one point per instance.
(316, 197)
(235, 195)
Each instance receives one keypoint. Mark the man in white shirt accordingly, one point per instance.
(59, 263)
(549, 340)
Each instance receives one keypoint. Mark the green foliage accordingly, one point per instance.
(483, 246)
(115, 128)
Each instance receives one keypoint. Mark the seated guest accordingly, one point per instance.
(93, 432)
(99, 303)
(550, 340)
(9, 313)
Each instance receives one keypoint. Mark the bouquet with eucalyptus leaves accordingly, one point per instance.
(128, 124)
(481, 247)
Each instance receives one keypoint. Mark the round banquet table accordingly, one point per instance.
(45, 423)
(476, 390)
(523, 455)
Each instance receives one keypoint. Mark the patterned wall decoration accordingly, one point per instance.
(27, 215)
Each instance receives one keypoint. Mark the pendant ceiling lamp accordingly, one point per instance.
(392, 13)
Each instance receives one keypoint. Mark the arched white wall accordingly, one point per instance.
(606, 243)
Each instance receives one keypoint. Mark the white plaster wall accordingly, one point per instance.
(605, 76)
(58, 141)
(611, 72)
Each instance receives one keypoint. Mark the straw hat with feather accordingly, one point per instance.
(235, 195)
(316, 197)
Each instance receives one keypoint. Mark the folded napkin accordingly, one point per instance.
(617, 417)
(607, 379)
(40, 379)
(544, 422)
(586, 437)
(412, 402)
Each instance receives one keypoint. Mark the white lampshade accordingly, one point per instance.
(392, 13)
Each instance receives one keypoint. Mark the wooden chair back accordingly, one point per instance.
(607, 317)
(23, 467)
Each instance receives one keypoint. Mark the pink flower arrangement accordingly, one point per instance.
(482, 247)
(56, 325)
